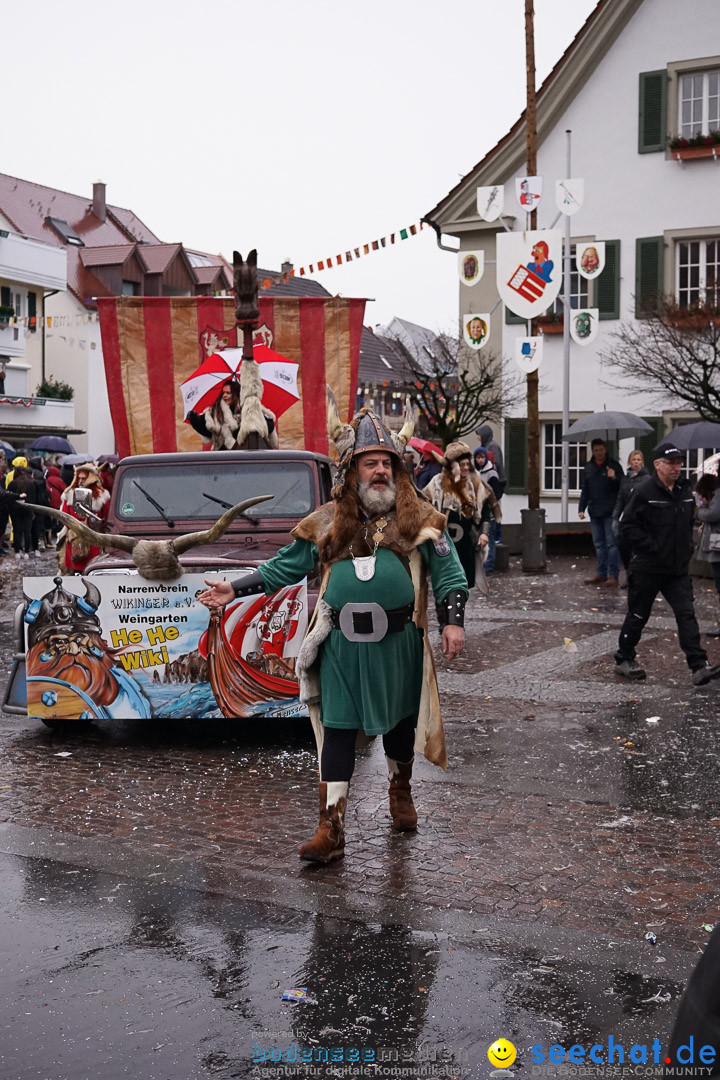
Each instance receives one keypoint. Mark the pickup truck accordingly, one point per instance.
(154, 497)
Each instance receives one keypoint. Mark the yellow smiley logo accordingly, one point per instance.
(501, 1053)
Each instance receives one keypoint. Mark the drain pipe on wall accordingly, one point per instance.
(439, 235)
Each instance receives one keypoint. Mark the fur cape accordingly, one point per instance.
(447, 491)
(332, 528)
(232, 429)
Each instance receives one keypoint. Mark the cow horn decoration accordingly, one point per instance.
(156, 560)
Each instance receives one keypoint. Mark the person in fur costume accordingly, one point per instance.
(366, 667)
(238, 420)
(454, 493)
(76, 553)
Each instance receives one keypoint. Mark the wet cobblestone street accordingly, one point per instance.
(562, 803)
(574, 803)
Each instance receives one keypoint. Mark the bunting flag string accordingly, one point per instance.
(33, 322)
(350, 255)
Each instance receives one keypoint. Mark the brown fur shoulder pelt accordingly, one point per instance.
(345, 520)
(455, 485)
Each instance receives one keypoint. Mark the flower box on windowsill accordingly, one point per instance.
(693, 320)
(550, 326)
(687, 153)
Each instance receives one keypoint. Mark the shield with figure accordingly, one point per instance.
(476, 330)
(584, 325)
(529, 270)
(471, 266)
(528, 190)
(528, 353)
(569, 196)
(590, 259)
(490, 202)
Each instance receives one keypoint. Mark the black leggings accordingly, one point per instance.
(337, 761)
(22, 521)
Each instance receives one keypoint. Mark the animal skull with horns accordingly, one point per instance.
(156, 560)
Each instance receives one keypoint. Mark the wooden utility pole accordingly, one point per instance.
(533, 427)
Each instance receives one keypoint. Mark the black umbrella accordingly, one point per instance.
(606, 425)
(54, 444)
(703, 435)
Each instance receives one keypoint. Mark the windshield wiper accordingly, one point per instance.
(154, 503)
(229, 506)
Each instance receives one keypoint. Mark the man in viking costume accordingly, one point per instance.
(366, 667)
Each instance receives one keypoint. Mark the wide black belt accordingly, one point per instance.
(369, 622)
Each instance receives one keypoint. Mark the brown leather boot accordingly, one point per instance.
(402, 808)
(329, 840)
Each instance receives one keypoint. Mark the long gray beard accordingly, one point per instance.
(377, 501)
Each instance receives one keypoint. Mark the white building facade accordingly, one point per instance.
(29, 271)
(637, 75)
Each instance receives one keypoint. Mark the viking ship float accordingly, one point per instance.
(240, 679)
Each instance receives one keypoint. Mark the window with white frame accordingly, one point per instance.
(694, 460)
(552, 460)
(579, 292)
(20, 302)
(699, 103)
(697, 272)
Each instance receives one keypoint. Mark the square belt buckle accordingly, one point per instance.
(363, 622)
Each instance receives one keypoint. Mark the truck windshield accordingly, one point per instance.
(183, 490)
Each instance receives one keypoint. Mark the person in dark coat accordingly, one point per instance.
(698, 1017)
(22, 485)
(485, 435)
(657, 526)
(430, 467)
(601, 484)
(41, 523)
(707, 492)
(635, 474)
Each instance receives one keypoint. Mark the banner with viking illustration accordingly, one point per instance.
(117, 646)
(152, 344)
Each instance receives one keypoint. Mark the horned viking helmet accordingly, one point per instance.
(156, 560)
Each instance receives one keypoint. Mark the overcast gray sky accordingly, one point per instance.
(300, 128)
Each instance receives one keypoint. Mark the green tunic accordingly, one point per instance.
(369, 685)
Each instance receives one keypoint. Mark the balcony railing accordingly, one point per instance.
(34, 412)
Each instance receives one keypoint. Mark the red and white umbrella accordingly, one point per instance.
(201, 390)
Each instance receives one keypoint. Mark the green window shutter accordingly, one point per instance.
(32, 311)
(5, 296)
(647, 443)
(652, 122)
(511, 318)
(516, 456)
(607, 286)
(649, 259)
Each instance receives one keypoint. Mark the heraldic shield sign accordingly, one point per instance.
(584, 325)
(569, 196)
(476, 330)
(528, 353)
(490, 202)
(529, 270)
(471, 266)
(590, 259)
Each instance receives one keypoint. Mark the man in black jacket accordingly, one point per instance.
(657, 526)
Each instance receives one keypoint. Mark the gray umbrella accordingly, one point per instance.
(606, 425)
(704, 435)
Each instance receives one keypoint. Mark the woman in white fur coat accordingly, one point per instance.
(238, 420)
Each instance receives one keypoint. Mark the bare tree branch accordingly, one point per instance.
(453, 399)
(672, 354)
